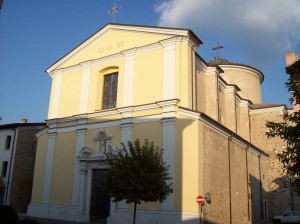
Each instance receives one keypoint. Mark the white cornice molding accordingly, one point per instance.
(200, 65)
(168, 42)
(226, 88)
(219, 128)
(129, 52)
(280, 109)
(212, 70)
(188, 113)
(146, 107)
(166, 107)
(108, 58)
(147, 48)
(86, 64)
(146, 119)
(57, 73)
(241, 102)
(42, 132)
(126, 111)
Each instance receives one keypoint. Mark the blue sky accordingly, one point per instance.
(36, 33)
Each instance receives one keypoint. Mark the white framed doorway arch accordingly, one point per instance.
(87, 165)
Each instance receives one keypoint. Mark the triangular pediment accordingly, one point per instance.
(116, 38)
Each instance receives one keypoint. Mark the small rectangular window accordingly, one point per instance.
(7, 142)
(4, 168)
(110, 90)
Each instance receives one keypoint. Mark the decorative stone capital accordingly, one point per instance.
(87, 65)
(126, 111)
(83, 168)
(84, 153)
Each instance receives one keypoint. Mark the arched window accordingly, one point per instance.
(110, 87)
(110, 91)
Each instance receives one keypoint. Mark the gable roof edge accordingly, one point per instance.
(160, 30)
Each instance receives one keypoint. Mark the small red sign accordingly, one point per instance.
(200, 200)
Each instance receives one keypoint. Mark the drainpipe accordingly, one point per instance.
(247, 180)
(9, 177)
(260, 186)
(229, 177)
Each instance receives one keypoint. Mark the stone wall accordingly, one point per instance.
(22, 176)
(231, 174)
(277, 188)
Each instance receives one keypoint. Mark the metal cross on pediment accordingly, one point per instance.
(113, 11)
(217, 49)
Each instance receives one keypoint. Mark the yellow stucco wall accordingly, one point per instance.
(149, 130)
(186, 164)
(148, 77)
(70, 94)
(39, 169)
(184, 75)
(63, 168)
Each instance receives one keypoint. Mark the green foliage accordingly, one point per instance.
(139, 174)
(289, 132)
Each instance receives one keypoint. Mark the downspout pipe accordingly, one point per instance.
(9, 177)
(229, 178)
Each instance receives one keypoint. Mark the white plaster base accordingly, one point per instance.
(54, 211)
(125, 216)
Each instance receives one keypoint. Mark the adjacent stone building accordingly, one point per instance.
(17, 158)
(127, 82)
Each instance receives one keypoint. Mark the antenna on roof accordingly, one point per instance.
(113, 11)
(217, 49)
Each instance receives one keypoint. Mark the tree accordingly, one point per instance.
(139, 174)
(289, 131)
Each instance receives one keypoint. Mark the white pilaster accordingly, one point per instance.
(80, 143)
(83, 190)
(169, 155)
(85, 84)
(169, 68)
(128, 77)
(57, 82)
(49, 166)
(126, 132)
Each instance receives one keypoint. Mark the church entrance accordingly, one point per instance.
(100, 200)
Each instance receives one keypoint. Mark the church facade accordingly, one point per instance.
(130, 82)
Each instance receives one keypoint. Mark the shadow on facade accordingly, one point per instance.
(283, 197)
(258, 203)
(268, 204)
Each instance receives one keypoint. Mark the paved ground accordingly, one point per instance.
(50, 221)
(53, 221)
